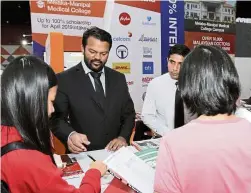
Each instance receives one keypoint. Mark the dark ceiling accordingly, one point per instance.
(15, 12)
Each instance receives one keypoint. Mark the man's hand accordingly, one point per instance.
(116, 144)
(76, 142)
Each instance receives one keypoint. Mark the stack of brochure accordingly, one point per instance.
(149, 156)
(69, 166)
(146, 144)
(132, 170)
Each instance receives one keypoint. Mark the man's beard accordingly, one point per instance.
(88, 64)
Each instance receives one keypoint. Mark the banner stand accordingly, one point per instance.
(55, 58)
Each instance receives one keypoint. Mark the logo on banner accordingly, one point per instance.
(148, 21)
(147, 67)
(122, 51)
(243, 20)
(123, 38)
(40, 4)
(123, 67)
(143, 38)
(147, 52)
(146, 80)
(130, 83)
(124, 18)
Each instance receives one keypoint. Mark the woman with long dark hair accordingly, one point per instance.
(211, 154)
(28, 89)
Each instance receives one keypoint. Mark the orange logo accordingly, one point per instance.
(123, 67)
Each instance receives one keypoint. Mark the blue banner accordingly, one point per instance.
(38, 50)
(172, 28)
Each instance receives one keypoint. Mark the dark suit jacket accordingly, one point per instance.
(80, 110)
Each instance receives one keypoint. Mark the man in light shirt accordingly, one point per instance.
(159, 104)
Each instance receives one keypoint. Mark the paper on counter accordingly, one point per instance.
(132, 169)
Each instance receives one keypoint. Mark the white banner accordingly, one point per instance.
(66, 24)
(136, 49)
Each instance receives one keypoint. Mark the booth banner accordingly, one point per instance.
(172, 28)
(225, 41)
(136, 50)
(210, 23)
(243, 37)
(71, 18)
(135, 27)
(243, 55)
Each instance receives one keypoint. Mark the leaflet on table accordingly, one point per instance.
(84, 162)
(146, 144)
(69, 166)
(138, 175)
(149, 156)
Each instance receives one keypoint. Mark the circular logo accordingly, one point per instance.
(40, 4)
(122, 51)
(124, 18)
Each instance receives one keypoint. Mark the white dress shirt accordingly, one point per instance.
(102, 77)
(158, 107)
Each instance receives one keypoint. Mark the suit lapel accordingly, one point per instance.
(85, 82)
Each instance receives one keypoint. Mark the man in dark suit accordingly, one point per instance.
(93, 104)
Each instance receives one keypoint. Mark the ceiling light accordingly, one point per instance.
(24, 42)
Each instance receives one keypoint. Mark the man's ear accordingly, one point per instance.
(238, 102)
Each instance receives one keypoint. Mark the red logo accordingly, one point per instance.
(124, 18)
(129, 83)
(146, 79)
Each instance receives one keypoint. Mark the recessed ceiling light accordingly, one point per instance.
(24, 42)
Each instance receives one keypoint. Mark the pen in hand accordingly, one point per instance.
(99, 165)
(91, 157)
(109, 171)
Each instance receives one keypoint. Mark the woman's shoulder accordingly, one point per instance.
(27, 156)
(31, 165)
(25, 160)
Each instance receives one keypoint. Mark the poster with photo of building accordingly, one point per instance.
(210, 23)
